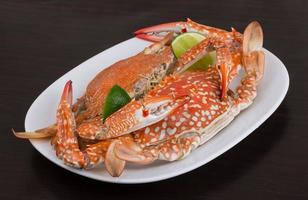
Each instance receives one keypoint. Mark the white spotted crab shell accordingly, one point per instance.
(201, 109)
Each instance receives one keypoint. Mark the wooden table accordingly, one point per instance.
(42, 40)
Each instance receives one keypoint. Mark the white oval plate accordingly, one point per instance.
(271, 92)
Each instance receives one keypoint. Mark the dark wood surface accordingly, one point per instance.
(42, 40)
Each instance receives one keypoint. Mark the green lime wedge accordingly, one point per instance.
(116, 99)
(185, 41)
(205, 62)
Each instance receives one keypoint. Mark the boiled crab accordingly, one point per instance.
(142, 72)
(181, 113)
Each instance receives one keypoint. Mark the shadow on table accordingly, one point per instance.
(211, 178)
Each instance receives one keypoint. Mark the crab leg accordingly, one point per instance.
(154, 33)
(247, 90)
(253, 61)
(154, 48)
(40, 133)
(194, 54)
(133, 116)
(226, 63)
(212, 32)
(66, 142)
(174, 149)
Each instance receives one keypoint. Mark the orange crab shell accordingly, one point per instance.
(213, 32)
(203, 107)
(139, 67)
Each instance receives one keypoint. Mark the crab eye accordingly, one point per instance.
(145, 112)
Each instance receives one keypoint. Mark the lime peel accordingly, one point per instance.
(186, 41)
(117, 98)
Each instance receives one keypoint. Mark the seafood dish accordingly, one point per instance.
(158, 104)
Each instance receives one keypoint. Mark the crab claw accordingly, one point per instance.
(133, 116)
(52, 129)
(253, 58)
(67, 94)
(121, 149)
(155, 33)
(254, 64)
(131, 152)
(253, 38)
(113, 164)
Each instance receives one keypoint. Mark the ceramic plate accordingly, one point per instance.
(271, 92)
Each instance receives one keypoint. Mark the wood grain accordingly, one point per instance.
(42, 40)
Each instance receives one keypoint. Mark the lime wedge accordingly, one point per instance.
(116, 99)
(205, 63)
(185, 41)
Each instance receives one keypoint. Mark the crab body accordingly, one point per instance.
(136, 74)
(202, 116)
(202, 107)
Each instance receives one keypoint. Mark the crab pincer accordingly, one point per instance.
(132, 117)
(66, 141)
(154, 33)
